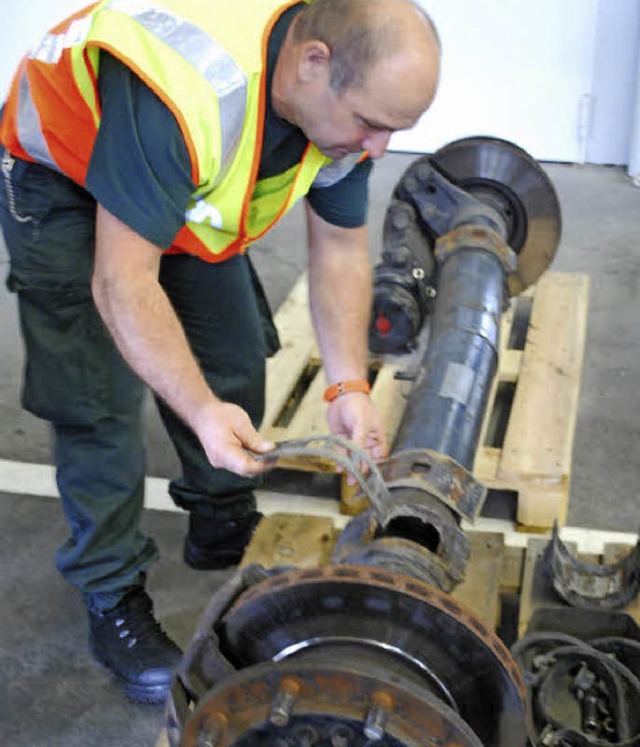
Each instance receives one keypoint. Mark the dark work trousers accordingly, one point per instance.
(76, 379)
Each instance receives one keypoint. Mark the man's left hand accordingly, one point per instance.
(354, 416)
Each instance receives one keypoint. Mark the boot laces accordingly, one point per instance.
(135, 621)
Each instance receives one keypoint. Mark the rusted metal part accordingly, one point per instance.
(607, 587)
(429, 472)
(581, 693)
(347, 454)
(403, 626)
(421, 539)
(203, 663)
(470, 237)
(330, 704)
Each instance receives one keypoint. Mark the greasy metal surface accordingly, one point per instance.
(425, 206)
(333, 704)
(301, 605)
(421, 540)
(346, 453)
(447, 403)
(436, 474)
(590, 585)
(476, 237)
(581, 693)
(506, 177)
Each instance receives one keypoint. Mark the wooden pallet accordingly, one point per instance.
(527, 436)
(498, 567)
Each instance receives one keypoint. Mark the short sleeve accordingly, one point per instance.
(140, 169)
(344, 203)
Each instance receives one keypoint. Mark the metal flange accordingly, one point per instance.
(506, 177)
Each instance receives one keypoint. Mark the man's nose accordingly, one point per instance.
(376, 143)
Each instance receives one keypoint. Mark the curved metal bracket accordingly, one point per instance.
(589, 585)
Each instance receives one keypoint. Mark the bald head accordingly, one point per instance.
(361, 34)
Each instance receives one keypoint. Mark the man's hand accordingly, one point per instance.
(355, 417)
(226, 432)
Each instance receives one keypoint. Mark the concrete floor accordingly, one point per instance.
(51, 691)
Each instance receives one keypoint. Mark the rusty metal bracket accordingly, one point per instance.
(593, 586)
(348, 455)
(428, 471)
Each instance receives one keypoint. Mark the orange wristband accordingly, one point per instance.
(345, 387)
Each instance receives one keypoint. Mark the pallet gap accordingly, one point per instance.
(500, 413)
(301, 387)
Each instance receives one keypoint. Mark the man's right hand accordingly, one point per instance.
(226, 432)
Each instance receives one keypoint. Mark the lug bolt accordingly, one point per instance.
(212, 730)
(305, 735)
(284, 700)
(341, 736)
(399, 218)
(423, 170)
(377, 716)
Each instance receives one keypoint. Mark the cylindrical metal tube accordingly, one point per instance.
(447, 403)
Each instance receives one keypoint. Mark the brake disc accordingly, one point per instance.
(510, 180)
(363, 633)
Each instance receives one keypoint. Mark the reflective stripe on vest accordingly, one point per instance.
(29, 130)
(227, 80)
(51, 46)
(333, 172)
(205, 55)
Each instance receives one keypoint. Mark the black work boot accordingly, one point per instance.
(130, 642)
(212, 544)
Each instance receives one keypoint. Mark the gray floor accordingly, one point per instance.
(52, 692)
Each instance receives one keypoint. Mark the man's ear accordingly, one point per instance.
(314, 60)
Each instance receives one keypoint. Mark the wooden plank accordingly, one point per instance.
(539, 440)
(533, 586)
(511, 569)
(290, 539)
(284, 369)
(480, 590)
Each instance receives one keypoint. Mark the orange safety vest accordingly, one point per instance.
(209, 69)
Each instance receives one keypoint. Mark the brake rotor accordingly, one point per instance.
(510, 180)
(376, 631)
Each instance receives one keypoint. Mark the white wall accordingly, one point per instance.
(555, 76)
(23, 26)
(613, 86)
(558, 77)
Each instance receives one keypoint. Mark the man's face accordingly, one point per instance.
(363, 118)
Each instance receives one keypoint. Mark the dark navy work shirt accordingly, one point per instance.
(140, 169)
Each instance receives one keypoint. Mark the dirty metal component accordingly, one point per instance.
(421, 539)
(362, 655)
(449, 396)
(410, 528)
(364, 651)
(336, 706)
(436, 474)
(506, 177)
(579, 692)
(475, 181)
(425, 203)
(347, 454)
(608, 587)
